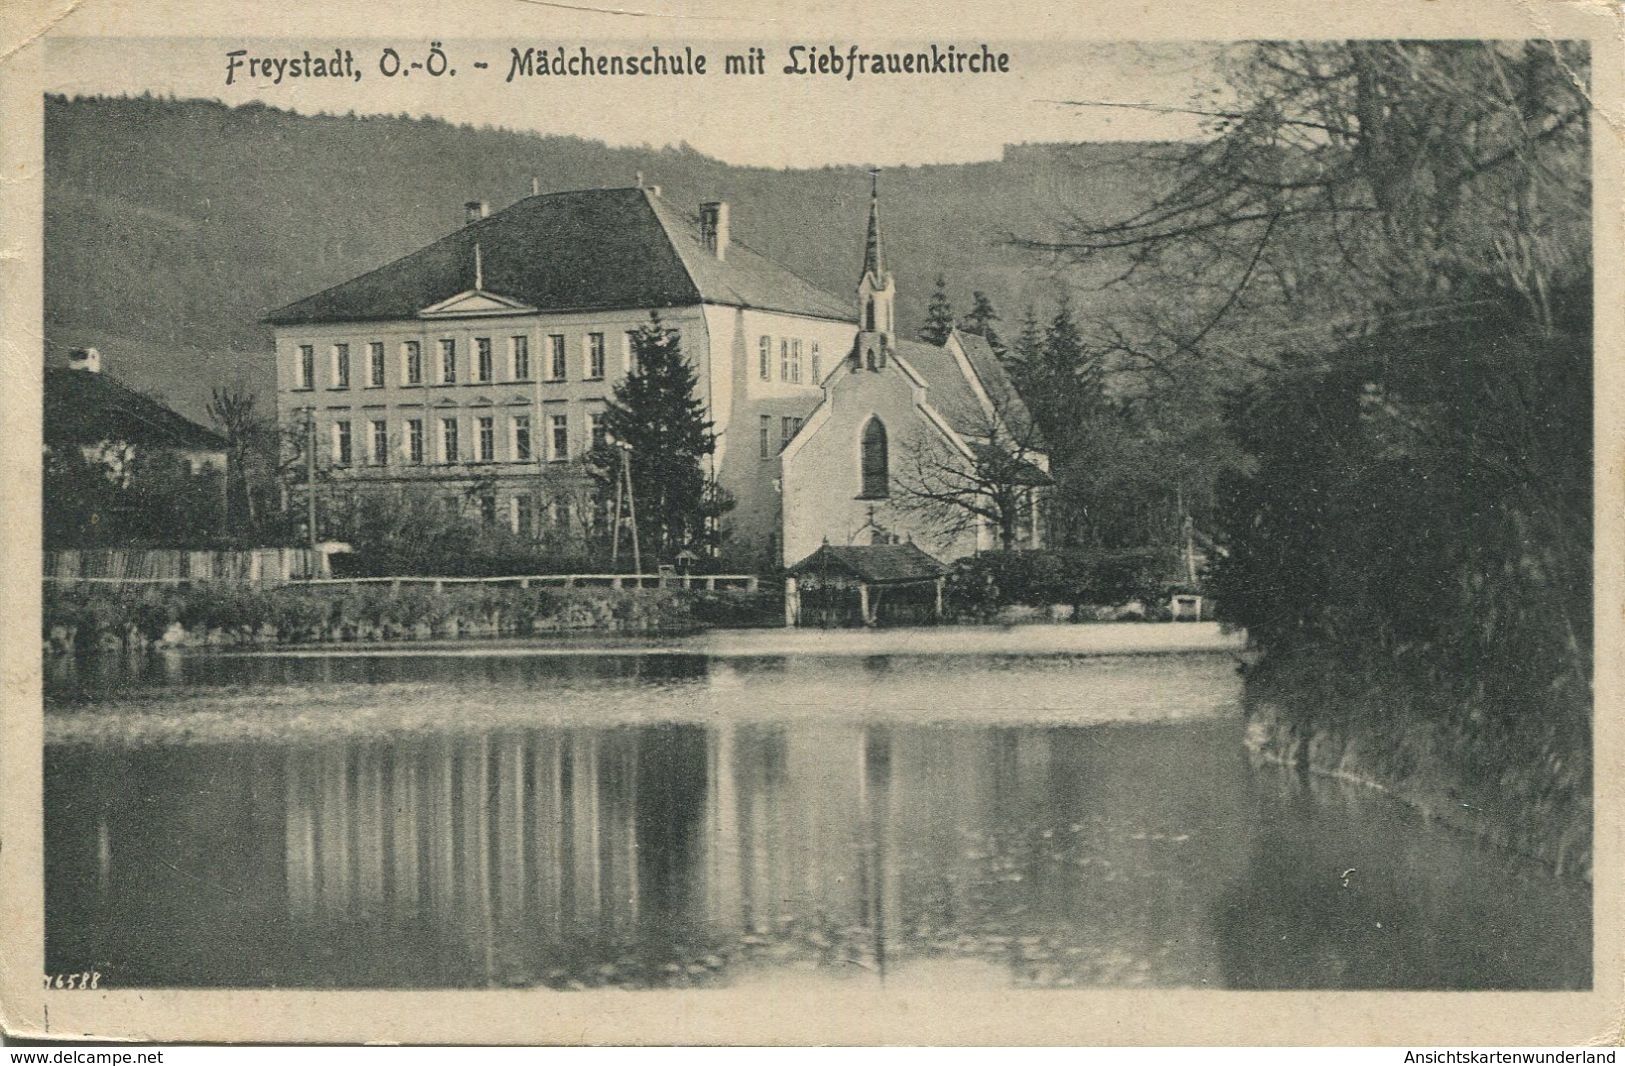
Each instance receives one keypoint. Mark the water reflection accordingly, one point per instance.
(699, 853)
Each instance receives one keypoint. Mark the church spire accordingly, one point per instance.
(874, 261)
(875, 293)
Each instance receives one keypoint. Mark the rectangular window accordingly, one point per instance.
(524, 515)
(595, 356)
(307, 366)
(765, 357)
(342, 452)
(556, 361)
(767, 436)
(413, 357)
(482, 359)
(784, 359)
(380, 442)
(520, 351)
(488, 510)
(375, 364)
(795, 361)
(631, 351)
(414, 440)
(448, 440)
(454, 506)
(595, 426)
(341, 366)
(448, 361)
(817, 365)
(788, 428)
(487, 439)
(558, 513)
(561, 438)
(521, 438)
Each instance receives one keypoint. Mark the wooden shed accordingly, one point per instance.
(867, 584)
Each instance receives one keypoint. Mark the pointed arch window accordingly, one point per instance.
(869, 314)
(876, 463)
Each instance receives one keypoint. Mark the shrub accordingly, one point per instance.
(153, 612)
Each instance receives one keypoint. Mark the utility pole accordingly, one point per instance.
(615, 524)
(631, 506)
(310, 475)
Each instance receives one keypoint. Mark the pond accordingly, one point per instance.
(721, 812)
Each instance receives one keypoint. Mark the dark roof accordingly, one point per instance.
(1021, 472)
(82, 407)
(586, 250)
(996, 382)
(878, 564)
(947, 389)
(745, 277)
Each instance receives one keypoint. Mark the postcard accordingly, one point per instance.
(854, 523)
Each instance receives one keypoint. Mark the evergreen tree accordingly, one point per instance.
(656, 419)
(1072, 370)
(1029, 344)
(939, 315)
(980, 321)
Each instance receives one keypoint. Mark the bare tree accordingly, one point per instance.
(991, 475)
(232, 410)
(1342, 180)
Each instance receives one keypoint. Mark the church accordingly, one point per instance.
(912, 442)
(478, 368)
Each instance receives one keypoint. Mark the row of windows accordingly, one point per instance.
(789, 361)
(517, 366)
(530, 515)
(378, 442)
(788, 428)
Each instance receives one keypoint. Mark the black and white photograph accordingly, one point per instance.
(822, 510)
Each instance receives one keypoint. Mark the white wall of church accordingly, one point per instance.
(822, 473)
(759, 403)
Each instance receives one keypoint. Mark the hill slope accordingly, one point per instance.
(172, 226)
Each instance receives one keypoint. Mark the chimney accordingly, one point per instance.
(87, 359)
(535, 186)
(474, 210)
(714, 227)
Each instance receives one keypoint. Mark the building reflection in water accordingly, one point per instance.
(644, 854)
(710, 850)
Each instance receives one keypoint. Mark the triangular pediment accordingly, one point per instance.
(473, 303)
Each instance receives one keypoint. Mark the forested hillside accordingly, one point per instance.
(172, 226)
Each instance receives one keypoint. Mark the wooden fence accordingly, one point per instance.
(301, 566)
(709, 582)
(169, 566)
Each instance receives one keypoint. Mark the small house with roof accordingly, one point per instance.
(112, 424)
(862, 584)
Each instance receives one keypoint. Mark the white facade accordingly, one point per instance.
(327, 372)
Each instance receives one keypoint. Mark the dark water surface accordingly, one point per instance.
(641, 820)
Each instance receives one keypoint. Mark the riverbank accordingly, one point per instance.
(91, 618)
(1531, 795)
(220, 615)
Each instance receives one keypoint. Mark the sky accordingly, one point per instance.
(773, 119)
